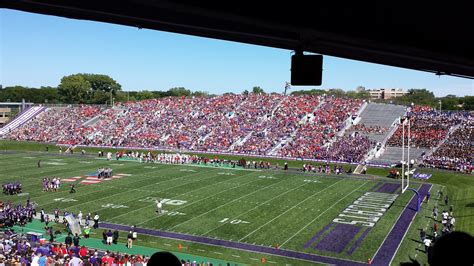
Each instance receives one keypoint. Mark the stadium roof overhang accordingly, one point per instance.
(419, 35)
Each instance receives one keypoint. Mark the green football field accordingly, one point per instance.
(258, 207)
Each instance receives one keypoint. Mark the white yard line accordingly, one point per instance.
(101, 186)
(126, 191)
(245, 195)
(380, 246)
(308, 224)
(255, 207)
(406, 231)
(192, 191)
(283, 213)
(185, 206)
(191, 165)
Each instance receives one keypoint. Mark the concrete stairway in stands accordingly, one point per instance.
(21, 119)
(393, 155)
(380, 114)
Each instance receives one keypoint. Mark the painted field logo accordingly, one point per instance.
(164, 201)
(367, 209)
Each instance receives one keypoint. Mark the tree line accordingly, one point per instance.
(414, 96)
(102, 89)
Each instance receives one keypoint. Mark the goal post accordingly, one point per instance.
(406, 130)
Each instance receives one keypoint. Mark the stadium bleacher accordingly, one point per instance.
(306, 126)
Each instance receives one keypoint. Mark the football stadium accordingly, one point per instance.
(96, 173)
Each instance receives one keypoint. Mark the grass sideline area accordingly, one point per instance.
(267, 194)
(40, 147)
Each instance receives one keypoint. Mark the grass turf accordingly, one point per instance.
(280, 208)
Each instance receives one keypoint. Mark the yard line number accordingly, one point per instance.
(235, 221)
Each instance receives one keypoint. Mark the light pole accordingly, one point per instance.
(440, 106)
(287, 87)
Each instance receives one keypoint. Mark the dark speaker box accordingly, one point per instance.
(306, 70)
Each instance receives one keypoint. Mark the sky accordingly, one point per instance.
(38, 50)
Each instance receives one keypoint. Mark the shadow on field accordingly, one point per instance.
(470, 205)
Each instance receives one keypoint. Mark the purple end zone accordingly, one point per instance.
(376, 186)
(317, 235)
(358, 241)
(394, 238)
(388, 188)
(236, 245)
(338, 238)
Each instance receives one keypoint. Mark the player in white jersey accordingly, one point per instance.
(79, 217)
(159, 206)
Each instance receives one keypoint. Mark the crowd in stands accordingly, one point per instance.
(428, 127)
(320, 127)
(283, 122)
(246, 124)
(303, 126)
(369, 129)
(344, 150)
(18, 250)
(61, 125)
(456, 153)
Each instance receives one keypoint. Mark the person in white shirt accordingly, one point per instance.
(159, 205)
(75, 261)
(35, 260)
(427, 243)
(96, 221)
(79, 217)
(451, 223)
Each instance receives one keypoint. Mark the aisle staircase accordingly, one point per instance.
(21, 119)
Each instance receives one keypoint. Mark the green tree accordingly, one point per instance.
(144, 95)
(48, 95)
(74, 89)
(245, 92)
(309, 92)
(200, 94)
(336, 92)
(103, 83)
(99, 97)
(450, 102)
(361, 94)
(467, 103)
(179, 91)
(417, 96)
(257, 90)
